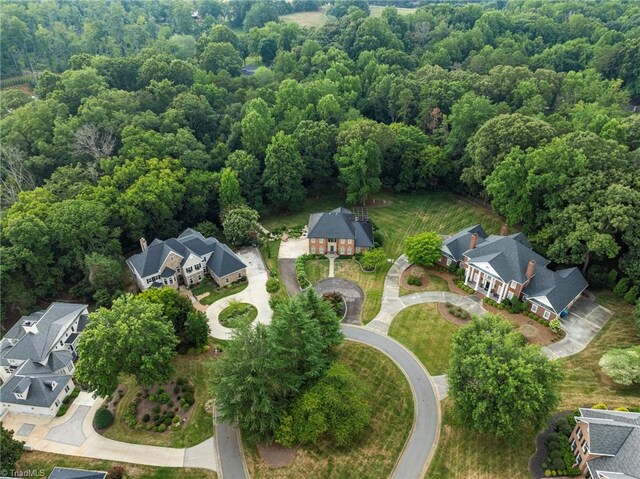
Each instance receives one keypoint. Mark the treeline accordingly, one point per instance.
(515, 105)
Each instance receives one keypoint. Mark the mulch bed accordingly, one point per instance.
(275, 455)
(540, 456)
(544, 334)
(444, 312)
(416, 271)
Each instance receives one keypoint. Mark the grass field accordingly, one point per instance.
(377, 451)
(427, 334)
(371, 284)
(269, 250)
(317, 269)
(197, 368)
(583, 385)
(44, 462)
(436, 283)
(463, 454)
(376, 10)
(307, 19)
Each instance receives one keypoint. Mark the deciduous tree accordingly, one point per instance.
(423, 248)
(283, 171)
(240, 225)
(498, 384)
(622, 365)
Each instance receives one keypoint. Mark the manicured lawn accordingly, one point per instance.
(196, 368)
(317, 269)
(462, 454)
(427, 334)
(371, 284)
(237, 314)
(583, 384)
(379, 448)
(216, 292)
(45, 462)
(269, 250)
(435, 283)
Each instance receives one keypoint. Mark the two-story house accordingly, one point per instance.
(606, 444)
(339, 232)
(36, 359)
(185, 260)
(505, 266)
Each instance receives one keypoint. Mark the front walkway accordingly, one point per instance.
(73, 434)
(255, 293)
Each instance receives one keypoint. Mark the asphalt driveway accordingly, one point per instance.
(350, 291)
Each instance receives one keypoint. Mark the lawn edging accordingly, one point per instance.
(415, 399)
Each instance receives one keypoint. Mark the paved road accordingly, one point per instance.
(229, 447)
(287, 267)
(255, 293)
(351, 292)
(419, 447)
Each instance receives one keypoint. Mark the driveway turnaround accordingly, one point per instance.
(583, 322)
(393, 303)
(420, 446)
(73, 434)
(255, 293)
(351, 292)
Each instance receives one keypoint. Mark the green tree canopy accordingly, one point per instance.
(11, 450)
(497, 383)
(283, 172)
(622, 365)
(423, 248)
(240, 225)
(359, 166)
(140, 341)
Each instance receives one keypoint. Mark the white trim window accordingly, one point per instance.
(313, 250)
(546, 314)
(313, 240)
(534, 308)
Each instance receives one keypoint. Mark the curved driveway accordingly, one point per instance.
(255, 293)
(419, 447)
(350, 291)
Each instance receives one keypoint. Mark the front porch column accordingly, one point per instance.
(467, 274)
(503, 290)
(478, 280)
(491, 285)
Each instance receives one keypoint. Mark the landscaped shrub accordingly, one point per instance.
(180, 381)
(163, 397)
(273, 285)
(547, 473)
(129, 417)
(103, 418)
(162, 428)
(116, 472)
(156, 409)
(176, 389)
(622, 287)
(632, 295)
(600, 405)
(622, 409)
(146, 417)
(555, 325)
(378, 238)
(167, 421)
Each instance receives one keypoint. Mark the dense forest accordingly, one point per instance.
(142, 122)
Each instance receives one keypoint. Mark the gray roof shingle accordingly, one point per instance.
(39, 394)
(616, 434)
(455, 246)
(558, 287)
(341, 223)
(222, 261)
(68, 473)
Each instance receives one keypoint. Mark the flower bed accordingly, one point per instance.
(464, 287)
(458, 312)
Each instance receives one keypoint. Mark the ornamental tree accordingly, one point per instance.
(11, 450)
(196, 329)
(373, 258)
(499, 384)
(622, 365)
(133, 337)
(423, 248)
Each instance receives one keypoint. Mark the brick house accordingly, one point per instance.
(606, 444)
(37, 359)
(505, 266)
(185, 260)
(339, 232)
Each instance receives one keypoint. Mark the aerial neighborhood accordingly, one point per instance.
(320, 238)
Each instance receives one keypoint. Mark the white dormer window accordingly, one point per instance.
(53, 385)
(170, 257)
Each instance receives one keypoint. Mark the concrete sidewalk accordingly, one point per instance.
(73, 434)
(255, 293)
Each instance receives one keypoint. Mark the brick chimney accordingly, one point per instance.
(474, 241)
(530, 269)
(504, 230)
(143, 244)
